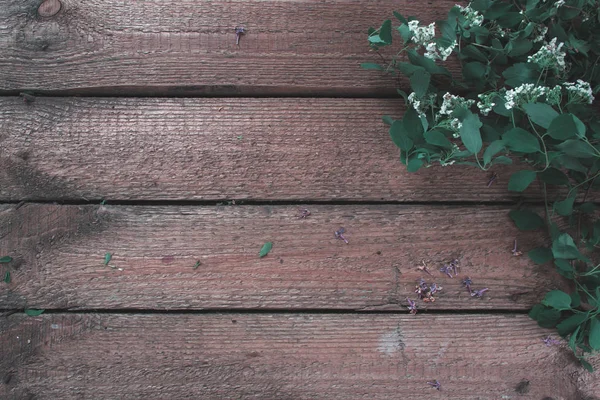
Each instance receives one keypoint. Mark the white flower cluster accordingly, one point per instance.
(486, 103)
(559, 3)
(421, 34)
(580, 91)
(550, 55)
(421, 105)
(540, 33)
(526, 93)
(451, 102)
(441, 53)
(473, 17)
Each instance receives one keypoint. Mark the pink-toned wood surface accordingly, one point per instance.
(173, 47)
(212, 149)
(285, 357)
(59, 253)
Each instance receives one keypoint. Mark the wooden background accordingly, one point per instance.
(154, 137)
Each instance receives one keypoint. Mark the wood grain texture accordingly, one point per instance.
(284, 356)
(59, 253)
(173, 47)
(214, 149)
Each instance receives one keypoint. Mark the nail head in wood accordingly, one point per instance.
(49, 8)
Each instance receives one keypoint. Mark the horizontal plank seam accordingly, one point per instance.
(148, 92)
(5, 312)
(226, 202)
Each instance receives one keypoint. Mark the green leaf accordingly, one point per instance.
(520, 180)
(481, 5)
(540, 113)
(474, 70)
(520, 140)
(265, 249)
(546, 317)
(400, 17)
(408, 69)
(383, 36)
(429, 65)
(564, 247)
(587, 208)
(198, 263)
(502, 160)
(387, 120)
(107, 258)
(583, 362)
(400, 137)
(372, 66)
(7, 277)
(573, 339)
(577, 148)
(470, 134)
(437, 138)
(32, 312)
(566, 126)
(494, 148)
(594, 337)
(557, 299)
(564, 268)
(540, 255)
(519, 47)
(575, 300)
(5, 259)
(419, 82)
(526, 220)
(564, 207)
(570, 324)
(553, 176)
(414, 164)
(519, 74)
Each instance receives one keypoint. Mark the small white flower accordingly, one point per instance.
(579, 92)
(550, 55)
(472, 17)
(451, 102)
(435, 53)
(421, 34)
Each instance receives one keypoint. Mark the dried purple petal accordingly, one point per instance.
(434, 288)
(435, 384)
(412, 306)
(492, 179)
(239, 31)
(447, 269)
(516, 252)
(479, 293)
(550, 341)
(339, 234)
(303, 213)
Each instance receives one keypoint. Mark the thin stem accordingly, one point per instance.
(543, 144)
(583, 183)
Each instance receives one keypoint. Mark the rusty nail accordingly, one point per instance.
(49, 8)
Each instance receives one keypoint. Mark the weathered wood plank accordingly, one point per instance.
(173, 47)
(299, 356)
(207, 149)
(59, 253)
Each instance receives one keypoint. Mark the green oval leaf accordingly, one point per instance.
(545, 317)
(570, 324)
(577, 148)
(107, 258)
(32, 312)
(520, 180)
(566, 126)
(594, 337)
(437, 138)
(494, 148)
(470, 134)
(540, 113)
(5, 259)
(564, 207)
(265, 249)
(526, 220)
(419, 82)
(7, 277)
(564, 268)
(520, 140)
(557, 299)
(564, 247)
(372, 66)
(400, 137)
(553, 176)
(540, 255)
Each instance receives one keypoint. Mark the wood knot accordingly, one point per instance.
(49, 8)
